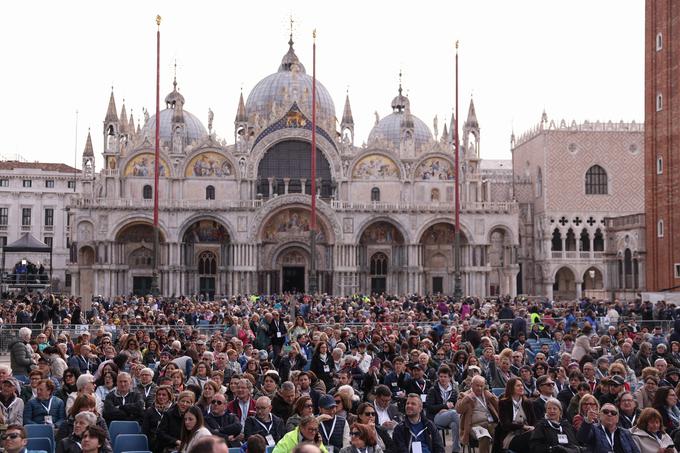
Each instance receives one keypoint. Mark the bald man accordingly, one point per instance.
(264, 422)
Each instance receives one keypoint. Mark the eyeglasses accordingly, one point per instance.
(631, 400)
(261, 407)
(355, 433)
(551, 384)
(10, 436)
(312, 430)
(369, 414)
(610, 412)
(217, 402)
(308, 405)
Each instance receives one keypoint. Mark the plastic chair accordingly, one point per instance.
(118, 427)
(35, 431)
(131, 442)
(498, 391)
(40, 443)
(234, 450)
(269, 450)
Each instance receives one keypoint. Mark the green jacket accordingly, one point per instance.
(290, 441)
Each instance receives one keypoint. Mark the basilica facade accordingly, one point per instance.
(235, 217)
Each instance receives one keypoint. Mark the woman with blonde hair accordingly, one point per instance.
(170, 427)
(649, 434)
(588, 403)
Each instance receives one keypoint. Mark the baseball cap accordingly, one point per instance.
(617, 380)
(327, 401)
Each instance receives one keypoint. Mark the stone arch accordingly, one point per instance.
(391, 157)
(137, 219)
(278, 253)
(596, 282)
(326, 147)
(373, 220)
(141, 258)
(191, 159)
(565, 283)
(86, 256)
(142, 161)
(424, 160)
(464, 229)
(191, 221)
(511, 232)
(325, 214)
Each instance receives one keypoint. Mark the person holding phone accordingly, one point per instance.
(600, 432)
(649, 434)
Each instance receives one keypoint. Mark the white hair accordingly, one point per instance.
(25, 333)
(82, 380)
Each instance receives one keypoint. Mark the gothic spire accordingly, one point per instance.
(111, 115)
(472, 116)
(241, 116)
(89, 150)
(347, 118)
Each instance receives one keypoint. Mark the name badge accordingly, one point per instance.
(330, 448)
(423, 398)
(416, 447)
(562, 439)
(490, 418)
(326, 368)
(48, 420)
(270, 440)
(278, 334)
(394, 384)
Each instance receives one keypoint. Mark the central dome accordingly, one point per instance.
(193, 128)
(273, 96)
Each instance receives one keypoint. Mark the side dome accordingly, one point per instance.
(389, 129)
(273, 96)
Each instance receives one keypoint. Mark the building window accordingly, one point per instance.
(71, 184)
(210, 193)
(4, 216)
(375, 194)
(48, 241)
(49, 217)
(67, 280)
(659, 165)
(4, 182)
(26, 217)
(596, 181)
(27, 183)
(659, 42)
(659, 102)
(659, 229)
(147, 192)
(49, 183)
(677, 270)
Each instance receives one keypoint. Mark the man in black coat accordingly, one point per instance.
(264, 423)
(123, 403)
(277, 334)
(222, 423)
(416, 428)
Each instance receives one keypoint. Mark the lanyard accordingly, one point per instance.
(147, 390)
(631, 420)
(516, 406)
(271, 424)
(416, 436)
(325, 433)
(422, 388)
(482, 401)
(48, 407)
(675, 418)
(445, 394)
(559, 427)
(609, 439)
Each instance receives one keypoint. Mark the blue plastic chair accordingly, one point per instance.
(498, 391)
(35, 431)
(131, 442)
(118, 427)
(269, 450)
(40, 443)
(234, 450)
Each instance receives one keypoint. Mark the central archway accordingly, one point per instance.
(205, 256)
(382, 257)
(438, 254)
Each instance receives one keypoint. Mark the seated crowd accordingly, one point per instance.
(349, 375)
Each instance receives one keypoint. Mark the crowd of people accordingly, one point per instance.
(354, 374)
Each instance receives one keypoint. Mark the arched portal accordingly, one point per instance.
(592, 279)
(206, 245)
(382, 248)
(564, 287)
(437, 243)
(293, 262)
(134, 244)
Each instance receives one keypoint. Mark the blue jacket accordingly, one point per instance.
(35, 411)
(592, 436)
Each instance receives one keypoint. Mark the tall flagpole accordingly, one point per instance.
(313, 284)
(457, 290)
(155, 289)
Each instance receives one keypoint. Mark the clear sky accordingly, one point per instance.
(579, 59)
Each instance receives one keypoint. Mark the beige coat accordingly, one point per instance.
(581, 348)
(648, 444)
(465, 406)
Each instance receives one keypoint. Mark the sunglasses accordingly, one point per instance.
(369, 414)
(551, 384)
(610, 412)
(309, 405)
(217, 402)
(10, 436)
(355, 433)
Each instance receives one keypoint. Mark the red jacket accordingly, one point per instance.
(235, 408)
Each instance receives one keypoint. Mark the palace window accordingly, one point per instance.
(659, 165)
(49, 183)
(27, 183)
(49, 217)
(147, 192)
(375, 194)
(26, 217)
(71, 184)
(596, 181)
(659, 42)
(210, 193)
(4, 182)
(659, 102)
(659, 229)
(4, 216)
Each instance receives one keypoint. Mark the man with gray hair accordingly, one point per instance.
(264, 422)
(282, 404)
(147, 387)
(21, 355)
(122, 403)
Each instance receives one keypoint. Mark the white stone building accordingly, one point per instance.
(34, 198)
(234, 218)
